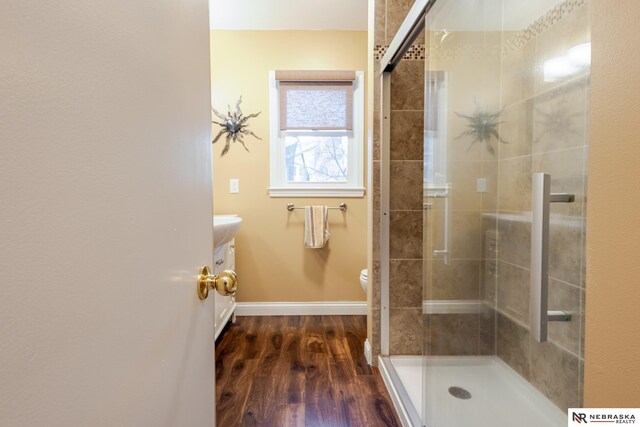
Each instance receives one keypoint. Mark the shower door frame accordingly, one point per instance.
(407, 34)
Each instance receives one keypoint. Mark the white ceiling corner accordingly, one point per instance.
(288, 14)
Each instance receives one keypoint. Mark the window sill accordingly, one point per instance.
(316, 192)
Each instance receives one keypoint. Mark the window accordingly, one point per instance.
(435, 135)
(316, 133)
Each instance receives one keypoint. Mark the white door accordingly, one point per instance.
(105, 213)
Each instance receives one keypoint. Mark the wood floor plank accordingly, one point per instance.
(299, 371)
(234, 394)
(290, 415)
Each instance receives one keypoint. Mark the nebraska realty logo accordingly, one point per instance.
(582, 416)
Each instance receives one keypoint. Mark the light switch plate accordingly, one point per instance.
(234, 186)
(481, 185)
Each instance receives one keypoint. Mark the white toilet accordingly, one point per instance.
(364, 279)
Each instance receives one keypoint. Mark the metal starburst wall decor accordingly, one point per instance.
(234, 126)
(482, 127)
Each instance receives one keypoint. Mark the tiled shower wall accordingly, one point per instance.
(471, 63)
(407, 124)
(545, 123)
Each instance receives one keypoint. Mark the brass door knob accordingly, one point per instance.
(226, 283)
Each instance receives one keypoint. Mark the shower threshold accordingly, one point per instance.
(497, 395)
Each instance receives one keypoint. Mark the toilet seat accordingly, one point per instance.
(364, 279)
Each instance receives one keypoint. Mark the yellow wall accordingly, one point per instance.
(612, 367)
(271, 261)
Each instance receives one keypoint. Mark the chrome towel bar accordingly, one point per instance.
(341, 206)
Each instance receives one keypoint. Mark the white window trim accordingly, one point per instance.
(279, 187)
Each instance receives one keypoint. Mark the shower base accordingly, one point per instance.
(499, 396)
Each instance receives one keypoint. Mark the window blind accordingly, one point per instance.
(316, 100)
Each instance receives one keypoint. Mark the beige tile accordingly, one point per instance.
(407, 135)
(518, 71)
(405, 240)
(463, 177)
(490, 175)
(426, 279)
(407, 86)
(406, 185)
(453, 334)
(376, 72)
(426, 246)
(405, 331)
(514, 184)
(375, 152)
(514, 240)
(567, 172)
(566, 298)
(396, 12)
(513, 292)
(487, 333)
(566, 248)
(517, 129)
(405, 283)
(555, 372)
(489, 281)
(560, 117)
(513, 345)
(380, 22)
(375, 244)
(375, 283)
(377, 89)
(465, 235)
(458, 280)
(581, 384)
(489, 234)
(375, 190)
(375, 332)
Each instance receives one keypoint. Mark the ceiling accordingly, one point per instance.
(452, 15)
(288, 14)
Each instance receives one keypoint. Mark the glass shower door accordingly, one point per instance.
(505, 98)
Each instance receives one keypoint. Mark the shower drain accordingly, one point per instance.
(459, 393)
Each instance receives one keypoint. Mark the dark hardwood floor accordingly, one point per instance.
(298, 371)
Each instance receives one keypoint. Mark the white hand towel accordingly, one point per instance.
(316, 226)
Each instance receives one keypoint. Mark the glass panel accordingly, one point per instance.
(506, 97)
(316, 158)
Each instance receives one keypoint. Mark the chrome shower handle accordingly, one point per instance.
(541, 198)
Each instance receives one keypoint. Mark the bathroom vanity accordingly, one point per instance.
(224, 259)
(225, 228)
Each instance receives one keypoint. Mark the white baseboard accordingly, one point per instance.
(301, 308)
(367, 352)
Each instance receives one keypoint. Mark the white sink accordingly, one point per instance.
(225, 228)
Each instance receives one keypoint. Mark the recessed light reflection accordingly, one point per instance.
(576, 59)
(580, 55)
